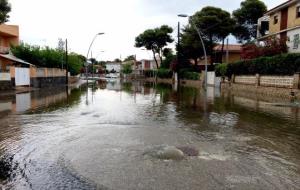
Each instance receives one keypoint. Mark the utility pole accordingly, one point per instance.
(227, 51)
(176, 78)
(178, 42)
(92, 60)
(67, 67)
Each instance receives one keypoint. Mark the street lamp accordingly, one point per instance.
(202, 42)
(87, 56)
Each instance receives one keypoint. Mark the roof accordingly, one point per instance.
(231, 48)
(13, 58)
(281, 6)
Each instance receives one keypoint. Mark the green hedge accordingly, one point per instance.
(164, 73)
(48, 57)
(284, 64)
(160, 73)
(189, 74)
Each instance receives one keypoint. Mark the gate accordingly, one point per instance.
(22, 76)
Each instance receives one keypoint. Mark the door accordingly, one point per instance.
(284, 19)
(22, 76)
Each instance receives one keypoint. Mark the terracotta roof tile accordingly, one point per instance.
(231, 48)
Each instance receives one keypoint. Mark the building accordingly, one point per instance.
(113, 67)
(231, 53)
(9, 35)
(282, 22)
(149, 64)
(15, 72)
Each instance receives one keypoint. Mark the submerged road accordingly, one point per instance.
(136, 136)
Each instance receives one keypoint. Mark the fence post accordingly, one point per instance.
(257, 82)
(296, 81)
(232, 78)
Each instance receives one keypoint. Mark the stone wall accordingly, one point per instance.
(191, 83)
(290, 82)
(188, 83)
(42, 82)
(261, 91)
(6, 85)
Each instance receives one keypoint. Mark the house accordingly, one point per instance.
(231, 53)
(15, 72)
(113, 67)
(9, 35)
(282, 22)
(149, 64)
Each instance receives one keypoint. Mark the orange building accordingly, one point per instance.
(9, 35)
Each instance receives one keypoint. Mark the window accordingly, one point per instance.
(298, 12)
(296, 41)
(275, 19)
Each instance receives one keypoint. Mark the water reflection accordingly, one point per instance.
(35, 100)
(96, 138)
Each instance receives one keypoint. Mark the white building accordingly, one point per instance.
(113, 67)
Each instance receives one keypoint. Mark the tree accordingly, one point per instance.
(155, 40)
(129, 58)
(169, 58)
(246, 18)
(190, 46)
(117, 60)
(126, 69)
(215, 24)
(48, 57)
(5, 8)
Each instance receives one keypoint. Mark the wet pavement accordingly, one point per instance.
(145, 136)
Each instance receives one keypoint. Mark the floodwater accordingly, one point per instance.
(145, 136)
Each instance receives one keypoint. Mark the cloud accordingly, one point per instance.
(44, 21)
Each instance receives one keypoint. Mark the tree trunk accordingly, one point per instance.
(160, 56)
(155, 58)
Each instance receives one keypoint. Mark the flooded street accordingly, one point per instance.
(145, 136)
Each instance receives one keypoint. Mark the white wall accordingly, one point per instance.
(211, 78)
(113, 66)
(290, 43)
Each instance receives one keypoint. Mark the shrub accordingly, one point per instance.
(283, 64)
(271, 47)
(126, 69)
(221, 70)
(164, 73)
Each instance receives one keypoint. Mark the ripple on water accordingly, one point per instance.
(224, 120)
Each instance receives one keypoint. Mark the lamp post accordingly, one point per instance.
(202, 42)
(87, 56)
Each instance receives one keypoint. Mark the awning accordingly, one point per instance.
(15, 59)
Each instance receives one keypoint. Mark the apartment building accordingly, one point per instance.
(282, 22)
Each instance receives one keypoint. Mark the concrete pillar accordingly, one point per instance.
(296, 81)
(257, 81)
(232, 78)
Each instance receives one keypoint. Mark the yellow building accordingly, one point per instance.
(282, 22)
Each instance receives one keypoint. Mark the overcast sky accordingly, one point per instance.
(42, 22)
